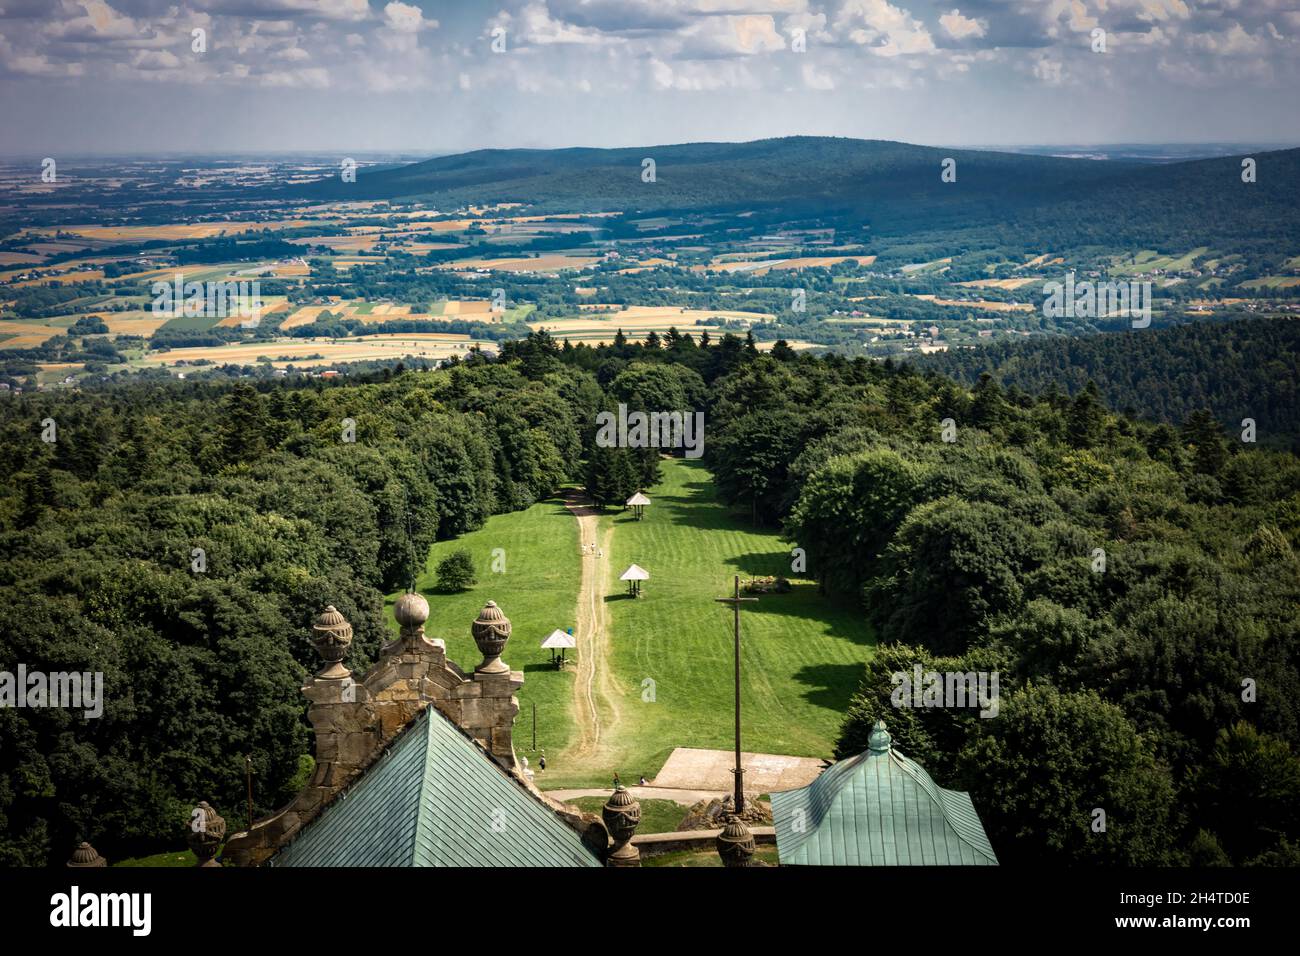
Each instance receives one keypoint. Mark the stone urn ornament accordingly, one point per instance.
(332, 636)
(85, 857)
(491, 631)
(622, 815)
(735, 843)
(207, 833)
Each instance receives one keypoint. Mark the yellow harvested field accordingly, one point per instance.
(234, 321)
(133, 323)
(999, 283)
(19, 259)
(466, 307)
(84, 276)
(547, 263)
(308, 314)
(191, 230)
(339, 243)
(799, 262)
(643, 318)
(295, 351)
(26, 335)
(983, 304)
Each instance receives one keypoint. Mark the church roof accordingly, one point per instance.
(435, 798)
(878, 809)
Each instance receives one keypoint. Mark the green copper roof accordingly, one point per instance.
(436, 799)
(878, 809)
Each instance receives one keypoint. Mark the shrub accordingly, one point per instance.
(456, 572)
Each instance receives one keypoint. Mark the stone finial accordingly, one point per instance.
(411, 611)
(735, 843)
(622, 815)
(491, 631)
(207, 833)
(85, 856)
(332, 636)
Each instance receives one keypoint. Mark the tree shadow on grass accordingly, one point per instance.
(546, 665)
(761, 563)
(842, 617)
(830, 685)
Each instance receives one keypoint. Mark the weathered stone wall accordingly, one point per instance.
(355, 720)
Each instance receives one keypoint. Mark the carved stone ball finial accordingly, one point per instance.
(622, 815)
(85, 856)
(491, 631)
(411, 611)
(331, 636)
(735, 843)
(207, 833)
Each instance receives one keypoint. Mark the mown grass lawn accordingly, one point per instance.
(802, 654)
(765, 853)
(657, 816)
(538, 591)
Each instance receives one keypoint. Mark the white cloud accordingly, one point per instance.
(816, 79)
(1048, 70)
(406, 18)
(960, 27)
(884, 29)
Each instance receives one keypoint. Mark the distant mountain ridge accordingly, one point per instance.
(897, 187)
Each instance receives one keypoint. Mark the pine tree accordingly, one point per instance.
(1203, 433)
(1086, 418)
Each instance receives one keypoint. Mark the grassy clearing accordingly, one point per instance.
(174, 858)
(765, 853)
(802, 653)
(538, 591)
(657, 816)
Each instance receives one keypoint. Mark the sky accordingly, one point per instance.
(439, 76)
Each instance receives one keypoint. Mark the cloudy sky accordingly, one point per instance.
(434, 76)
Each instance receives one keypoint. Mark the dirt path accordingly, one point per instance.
(593, 691)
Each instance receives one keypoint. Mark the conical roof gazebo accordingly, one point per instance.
(561, 640)
(637, 503)
(634, 575)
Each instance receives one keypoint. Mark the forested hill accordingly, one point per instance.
(1241, 369)
(970, 555)
(893, 186)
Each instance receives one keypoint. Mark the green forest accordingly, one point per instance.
(1159, 689)
(1240, 369)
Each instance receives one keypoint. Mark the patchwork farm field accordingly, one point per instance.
(314, 353)
(541, 263)
(641, 319)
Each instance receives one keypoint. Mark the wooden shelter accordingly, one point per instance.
(634, 575)
(561, 640)
(637, 503)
